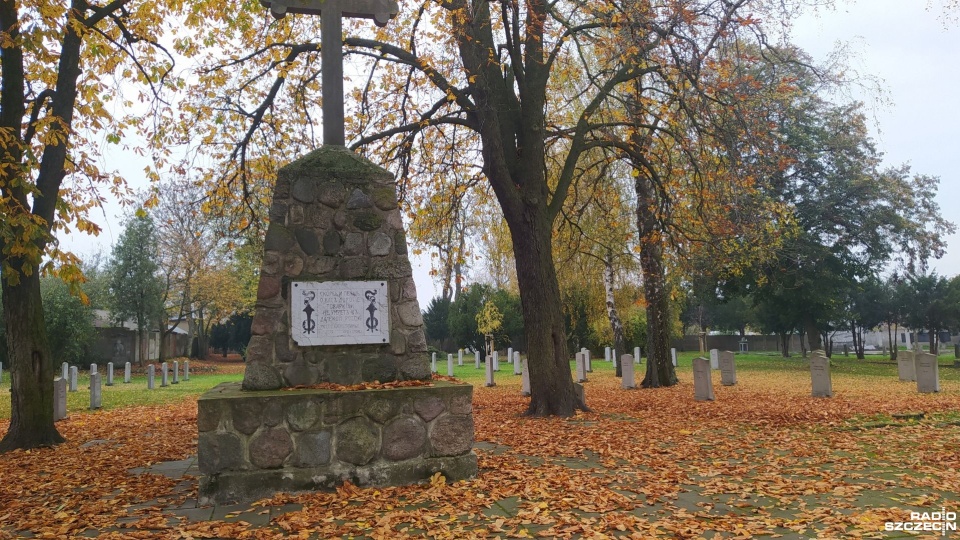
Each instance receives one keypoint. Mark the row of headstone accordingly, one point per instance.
(703, 374)
(71, 373)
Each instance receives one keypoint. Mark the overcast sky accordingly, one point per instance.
(907, 44)
(915, 52)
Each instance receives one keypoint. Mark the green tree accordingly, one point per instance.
(135, 288)
(436, 320)
(934, 305)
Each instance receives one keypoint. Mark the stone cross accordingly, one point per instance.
(331, 47)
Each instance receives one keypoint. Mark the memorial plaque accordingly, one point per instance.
(820, 376)
(702, 380)
(928, 373)
(728, 367)
(339, 313)
(906, 368)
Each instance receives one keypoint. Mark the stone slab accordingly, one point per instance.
(728, 368)
(702, 380)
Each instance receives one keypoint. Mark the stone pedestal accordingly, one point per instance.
(336, 303)
(251, 446)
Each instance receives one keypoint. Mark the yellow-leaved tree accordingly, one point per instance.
(61, 66)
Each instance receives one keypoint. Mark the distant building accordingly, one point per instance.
(117, 343)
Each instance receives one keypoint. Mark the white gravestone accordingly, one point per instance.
(65, 369)
(164, 375)
(525, 378)
(509, 355)
(109, 373)
(906, 366)
(613, 357)
(74, 374)
(490, 371)
(96, 397)
(586, 353)
(728, 368)
(176, 372)
(820, 376)
(496, 360)
(606, 354)
(928, 373)
(433, 363)
(59, 399)
(581, 368)
(516, 363)
(151, 376)
(702, 380)
(476, 358)
(627, 382)
(93, 369)
(460, 357)
(126, 372)
(673, 356)
(186, 370)
(636, 355)
(449, 365)
(339, 313)
(714, 359)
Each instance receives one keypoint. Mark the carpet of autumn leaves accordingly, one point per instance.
(764, 459)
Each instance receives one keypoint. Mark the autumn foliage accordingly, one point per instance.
(763, 459)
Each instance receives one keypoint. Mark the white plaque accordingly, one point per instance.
(339, 312)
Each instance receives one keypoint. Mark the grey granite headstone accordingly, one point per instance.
(702, 380)
(109, 373)
(586, 353)
(93, 368)
(496, 360)
(525, 378)
(164, 375)
(581, 364)
(509, 355)
(728, 368)
(96, 397)
(673, 356)
(449, 365)
(460, 357)
(516, 363)
(714, 359)
(476, 358)
(606, 355)
(59, 399)
(74, 375)
(433, 363)
(928, 373)
(636, 355)
(126, 373)
(906, 366)
(490, 371)
(65, 371)
(627, 382)
(176, 372)
(151, 377)
(186, 370)
(613, 357)
(820, 376)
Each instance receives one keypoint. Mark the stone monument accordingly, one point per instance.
(820, 375)
(336, 305)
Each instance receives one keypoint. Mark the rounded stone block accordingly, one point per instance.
(268, 287)
(462, 404)
(380, 245)
(398, 342)
(272, 413)
(259, 376)
(301, 373)
(247, 415)
(331, 194)
(451, 435)
(384, 197)
(353, 268)
(265, 321)
(308, 241)
(208, 417)
(429, 408)
(358, 441)
(331, 243)
(367, 220)
(270, 449)
(381, 368)
(304, 190)
(382, 410)
(415, 366)
(409, 313)
(313, 449)
(219, 452)
(302, 415)
(278, 238)
(404, 438)
(271, 263)
(353, 244)
(292, 265)
(358, 199)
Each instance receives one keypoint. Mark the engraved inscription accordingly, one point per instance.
(339, 313)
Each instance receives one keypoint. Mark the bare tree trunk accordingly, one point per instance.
(31, 367)
(619, 343)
